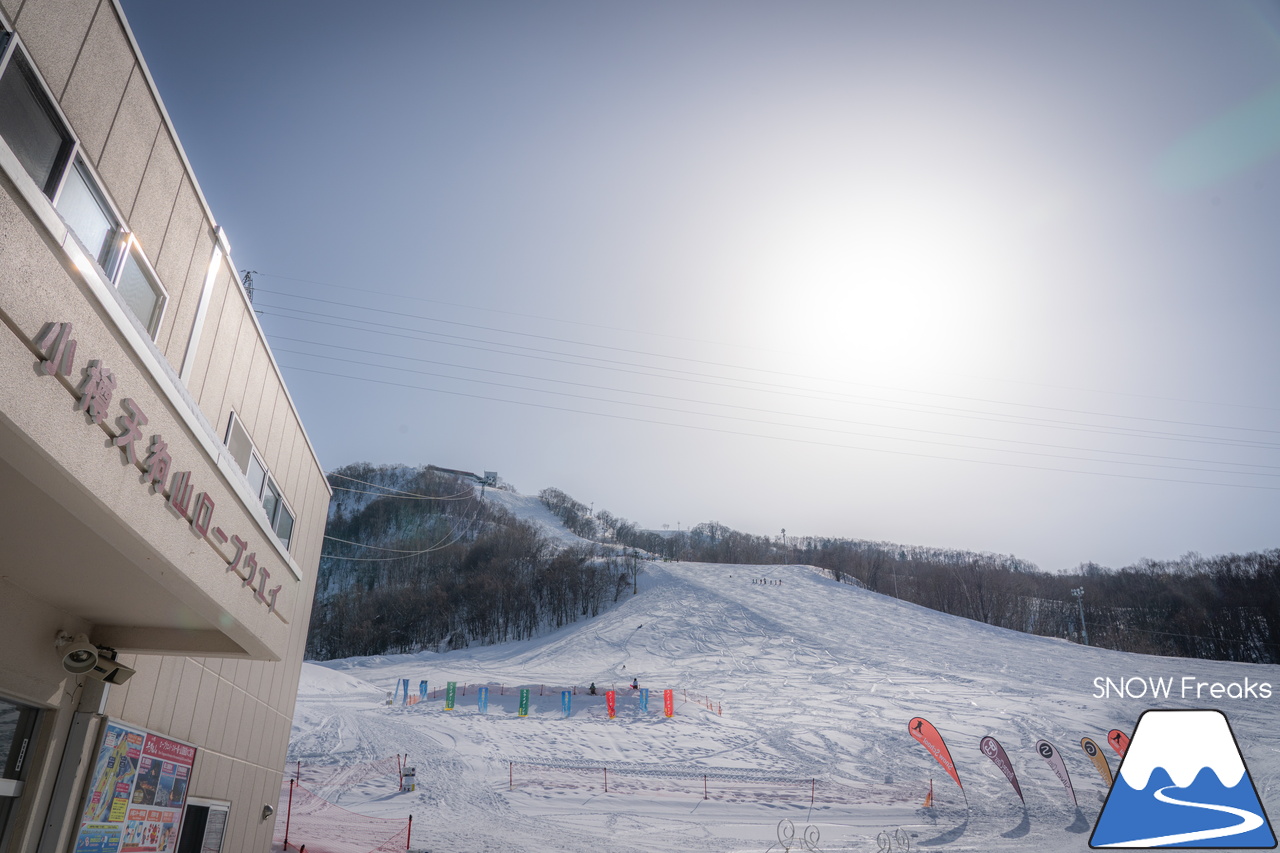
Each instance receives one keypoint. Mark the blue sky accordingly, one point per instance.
(995, 276)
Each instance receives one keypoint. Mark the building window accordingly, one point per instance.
(261, 483)
(203, 825)
(30, 125)
(17, 739)
(90, 218)
(140, 289)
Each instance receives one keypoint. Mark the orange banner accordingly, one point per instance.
(611, 702)
(923, 731)
(1095, 755)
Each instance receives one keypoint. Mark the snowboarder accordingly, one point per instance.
(635, 684)
(592, 689)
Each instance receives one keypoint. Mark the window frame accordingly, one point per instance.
(11, 47)
(268, 481)
(120, 236)
(130, 246)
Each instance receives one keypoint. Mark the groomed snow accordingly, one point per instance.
(816, 681)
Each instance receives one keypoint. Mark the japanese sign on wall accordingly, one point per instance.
(94, 397)
(136, 793)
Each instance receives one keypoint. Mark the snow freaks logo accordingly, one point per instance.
(1183, 783)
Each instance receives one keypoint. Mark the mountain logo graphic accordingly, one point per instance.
(1183, 783)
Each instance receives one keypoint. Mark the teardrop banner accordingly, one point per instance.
(923, 731)
(1099, 760)
(1050, 753)
(611, 702)
(992, 749)
(1119, 741)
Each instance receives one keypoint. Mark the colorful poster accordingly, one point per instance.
(992, 749)
(644, 700)
(482, 699)
(136, 794)
(1050, 754)
(450, 693)
(1099, 760)
(923, 731)
(565, 702)
(668, 702)
(611, 702)
(524, 703)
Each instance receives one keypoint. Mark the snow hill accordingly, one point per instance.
(815, 682)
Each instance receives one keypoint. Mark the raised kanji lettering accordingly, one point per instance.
(263, 577)
(240, 545)
(59, 349)
(131, 424)
(202, 516)
(180, 493)
(250, 566)
(271, 598)
(96, 390)
(156, 470)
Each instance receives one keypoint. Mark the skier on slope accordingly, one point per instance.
(592, 689)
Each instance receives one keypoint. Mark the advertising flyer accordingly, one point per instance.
(136, 794)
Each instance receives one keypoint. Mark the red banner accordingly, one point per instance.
(668, 702)
(1119, 741)
(923, 731)
(611, 702)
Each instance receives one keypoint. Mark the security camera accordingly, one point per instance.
(79, 656)
(108, 669)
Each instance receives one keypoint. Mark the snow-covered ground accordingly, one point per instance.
(815, 682)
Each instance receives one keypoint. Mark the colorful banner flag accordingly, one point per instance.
(565, 702)
(422, 690)
(450, 694)
(992, 749)
(611, 702)
(644, 700)
(482, 699)
(1050, 753)
(524, 702)
(923, 731)
(669, 703)
(1119, 741)
(1099, 760)
(404, 682)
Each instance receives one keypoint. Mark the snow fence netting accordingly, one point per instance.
(311, 815)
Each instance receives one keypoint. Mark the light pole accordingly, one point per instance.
(1078, 592)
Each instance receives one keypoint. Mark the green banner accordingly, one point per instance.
(450, 693)
(524, 703)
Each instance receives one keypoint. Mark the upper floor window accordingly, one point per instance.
(30, 124)
(44, 145)
(260, 480)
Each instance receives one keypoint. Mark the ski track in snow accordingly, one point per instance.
(817, 680)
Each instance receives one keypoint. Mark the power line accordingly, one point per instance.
(787, 390)
(782, 438)
(837, 431)
(746, 368)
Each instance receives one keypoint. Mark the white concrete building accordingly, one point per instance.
(161, 508)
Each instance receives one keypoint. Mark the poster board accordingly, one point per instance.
(136, 792)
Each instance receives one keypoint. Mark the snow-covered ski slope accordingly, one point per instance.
(816, 681)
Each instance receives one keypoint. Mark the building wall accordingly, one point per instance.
(208, 358)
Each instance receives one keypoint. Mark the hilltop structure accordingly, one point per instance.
(161, 508)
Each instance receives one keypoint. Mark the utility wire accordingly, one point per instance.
(458, 496)
(782, 389)
(735, 406)
(782, 438)
(730, 366)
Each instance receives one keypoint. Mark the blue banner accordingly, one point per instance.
(422, 690)
(644, 700)
(565, 702)
(482, 699)
(404, 682)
